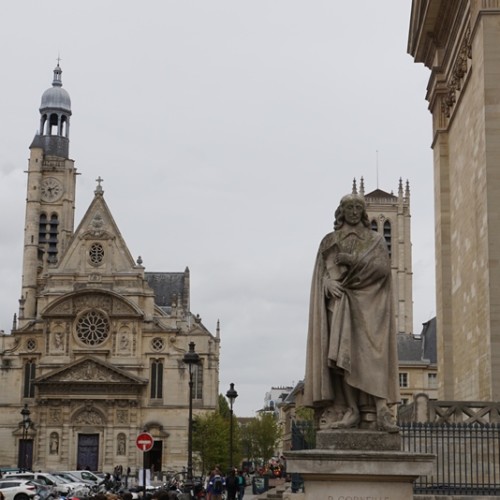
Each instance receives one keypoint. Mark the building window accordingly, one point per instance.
(403, 380)
(404, 401)
(157, 379)
(96, 253)
(432, 380)
(48, 231)
(198, 381)
(157, 344)
(374, 225)
(92, 328)
(387, 235)
(29, 376)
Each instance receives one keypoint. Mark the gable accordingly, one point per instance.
(72, 304)
(97, 245)
(87, 375)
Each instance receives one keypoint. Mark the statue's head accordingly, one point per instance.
(348, 203)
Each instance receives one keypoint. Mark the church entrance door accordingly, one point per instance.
(88, 452)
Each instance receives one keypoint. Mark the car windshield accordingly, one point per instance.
(67, 476)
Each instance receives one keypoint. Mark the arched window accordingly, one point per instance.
(388, 235)
(29, 376)
(198, 381)
(157, 379)
(374, 225)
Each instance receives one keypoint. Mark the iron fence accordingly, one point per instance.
(467, 457)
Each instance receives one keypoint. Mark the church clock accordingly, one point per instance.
(51, 189)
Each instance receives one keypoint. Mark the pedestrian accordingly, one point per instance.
(216, 485)
(242, 484)
(232, 485)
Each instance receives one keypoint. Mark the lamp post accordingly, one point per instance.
(26, 424)
(191, 358)
(231, 394)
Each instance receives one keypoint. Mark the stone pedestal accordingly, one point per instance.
(358, 465)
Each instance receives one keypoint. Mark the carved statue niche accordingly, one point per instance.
(121, 444)
(54, 443)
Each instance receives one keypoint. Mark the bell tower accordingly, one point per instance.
(50, 197)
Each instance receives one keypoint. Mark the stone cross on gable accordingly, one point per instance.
(98, 189)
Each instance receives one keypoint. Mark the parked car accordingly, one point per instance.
(84, 475)
(18, 489)
(78, 488)
(58, 485)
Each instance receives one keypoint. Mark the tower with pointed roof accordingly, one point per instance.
(96, 350)
(50, 197)
(390, 215)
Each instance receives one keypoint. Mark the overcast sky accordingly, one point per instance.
(226, 132)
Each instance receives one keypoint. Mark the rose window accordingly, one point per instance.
(92, 328)
(96, 253)
(157, 344)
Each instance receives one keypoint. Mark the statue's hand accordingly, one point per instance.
(344, 259)
(333, 288)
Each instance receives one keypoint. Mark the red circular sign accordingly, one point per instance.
(144, 441)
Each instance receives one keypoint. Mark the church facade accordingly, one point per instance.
(96, 351)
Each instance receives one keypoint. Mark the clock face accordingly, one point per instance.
(51, 189)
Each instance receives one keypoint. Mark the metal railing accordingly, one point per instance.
(467, 457)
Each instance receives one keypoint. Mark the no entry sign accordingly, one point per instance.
(144, 441)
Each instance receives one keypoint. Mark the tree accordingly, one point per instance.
(260, 437)
(210, 438)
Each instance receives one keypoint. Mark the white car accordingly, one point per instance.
(57, 484)
(18, 489)
(79, 488)
(84, 475)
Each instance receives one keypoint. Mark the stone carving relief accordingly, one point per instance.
(55, 416)
(122, 416)
(460, 69)
(88, 370)
(100, 301)
(96, 225)
(89, 417)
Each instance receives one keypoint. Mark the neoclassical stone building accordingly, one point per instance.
(96, 351)
(459, 42)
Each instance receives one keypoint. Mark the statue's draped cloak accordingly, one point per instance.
(356, 333)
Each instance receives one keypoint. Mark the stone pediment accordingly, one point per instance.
(73, 303)
(89, 371)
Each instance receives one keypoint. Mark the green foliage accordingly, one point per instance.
(259, 438)
(211, 438)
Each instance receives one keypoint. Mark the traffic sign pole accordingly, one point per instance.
(144, 442)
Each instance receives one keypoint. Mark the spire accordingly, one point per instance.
(400, 188)
(407, 190)
(354, 188)
(217, 330)
(362, 187)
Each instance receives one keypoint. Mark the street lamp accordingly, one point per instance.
(231, 394)
(26, 424)
(191, 358)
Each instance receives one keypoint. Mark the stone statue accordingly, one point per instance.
(351, 362)
(54, 443)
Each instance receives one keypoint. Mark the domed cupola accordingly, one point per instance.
(55, 111)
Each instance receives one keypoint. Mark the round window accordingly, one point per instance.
(92, 328)
(157, 344)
